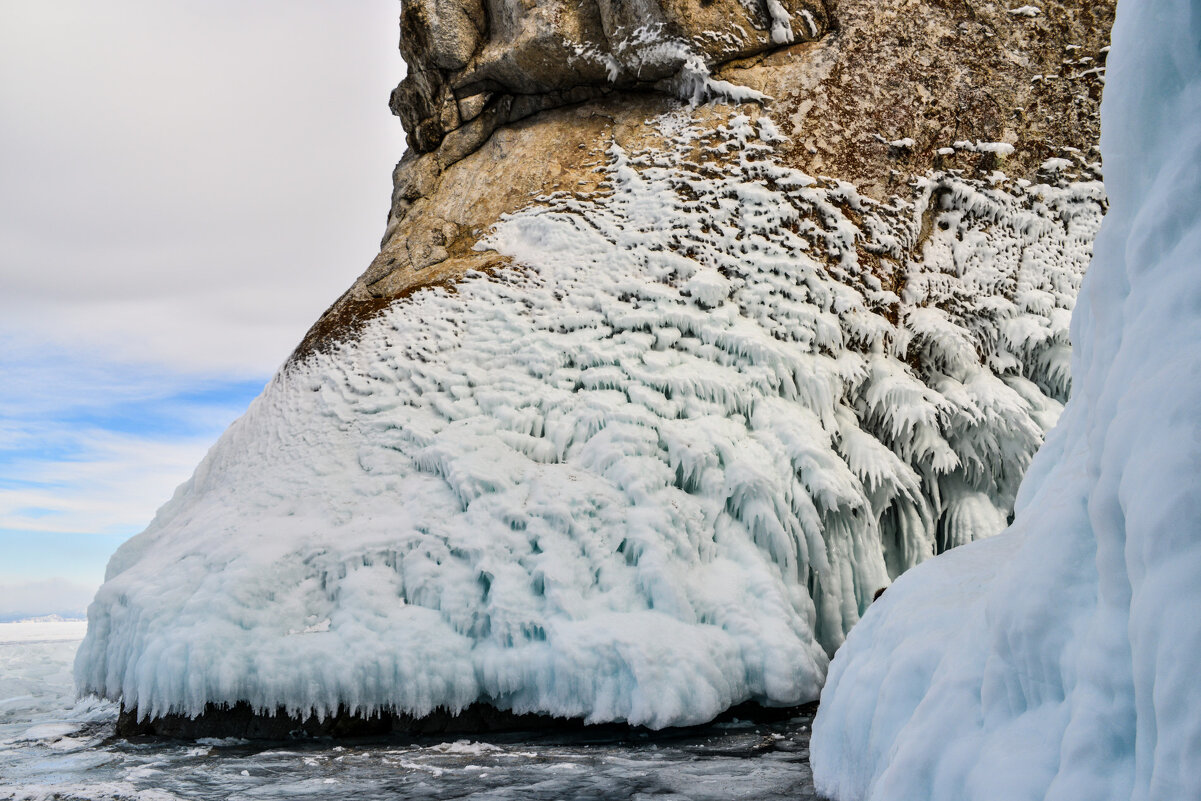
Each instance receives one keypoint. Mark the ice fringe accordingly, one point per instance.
(1058, 661)
(656, 468)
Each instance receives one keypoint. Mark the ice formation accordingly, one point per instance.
(1059, 660)
(655, 467)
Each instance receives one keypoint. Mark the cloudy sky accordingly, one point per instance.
(184, 187)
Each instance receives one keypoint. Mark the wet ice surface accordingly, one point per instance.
(52, 747)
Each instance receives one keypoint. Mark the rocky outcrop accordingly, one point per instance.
(873, 93)
(243, 722)
(683, 339)
(474, 66)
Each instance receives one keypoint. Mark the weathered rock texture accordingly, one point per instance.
(853, 83)
(476, 65)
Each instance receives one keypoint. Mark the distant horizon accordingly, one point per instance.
(44, 598)
(53, 617)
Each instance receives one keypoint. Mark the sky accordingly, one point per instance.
(184, 188)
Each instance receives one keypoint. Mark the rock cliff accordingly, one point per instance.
(870, 93)
(474, 66)
(692, 326)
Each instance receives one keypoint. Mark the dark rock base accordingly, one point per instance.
(241, 721)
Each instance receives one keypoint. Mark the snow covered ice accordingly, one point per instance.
(1059, 660)
(656, 467)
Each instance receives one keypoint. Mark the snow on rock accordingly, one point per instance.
(1000, 148)
(655, 468)
(1056, 165)
(1058, 660)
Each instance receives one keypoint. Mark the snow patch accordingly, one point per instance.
(781, 23)
(1054, 165)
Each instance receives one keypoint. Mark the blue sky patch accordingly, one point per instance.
(90, 448)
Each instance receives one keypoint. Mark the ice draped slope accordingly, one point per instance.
(641, 400)
(655, 468)
(1059, 660)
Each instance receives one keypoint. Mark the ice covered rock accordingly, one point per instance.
(642, 400)
(1058, 660)
(861, 75)
(497, 61)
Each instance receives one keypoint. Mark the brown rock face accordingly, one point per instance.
(499, 61)
(505, 103)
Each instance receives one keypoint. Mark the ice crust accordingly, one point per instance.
(1059, 660)
(655, 468)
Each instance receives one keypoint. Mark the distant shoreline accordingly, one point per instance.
(73, 617)
(50, 628)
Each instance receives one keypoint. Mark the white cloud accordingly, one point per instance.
(191, 183)
(89, 445)
(112, 484)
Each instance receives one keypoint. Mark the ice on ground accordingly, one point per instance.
(1059, 660)
(655, 468)
(35, 671)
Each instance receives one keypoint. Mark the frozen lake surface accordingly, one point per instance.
(52, 747)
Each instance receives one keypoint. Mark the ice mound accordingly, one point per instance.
(654, 468)
(1059, 660)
